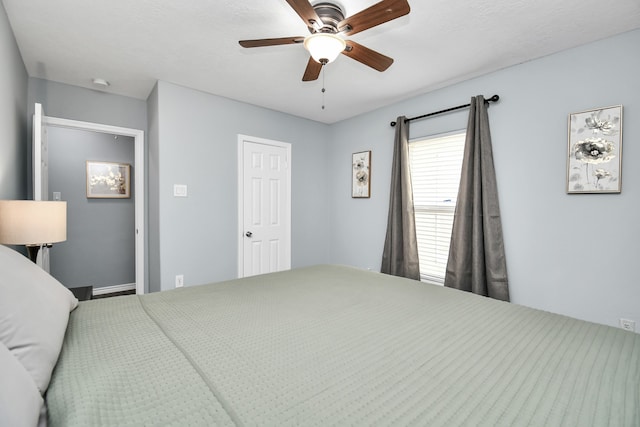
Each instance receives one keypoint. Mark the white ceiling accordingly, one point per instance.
(194, 43)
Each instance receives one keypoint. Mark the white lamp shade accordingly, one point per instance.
(30, 222)
(324, 47)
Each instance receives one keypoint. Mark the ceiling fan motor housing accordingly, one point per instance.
(331, 15)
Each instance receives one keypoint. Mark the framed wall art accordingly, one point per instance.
(107, 180)
(594, 163)
(361, 175)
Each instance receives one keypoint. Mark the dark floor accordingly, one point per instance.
(115, 294)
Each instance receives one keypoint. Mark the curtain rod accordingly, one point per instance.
(494, 98)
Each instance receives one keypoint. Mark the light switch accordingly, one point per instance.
(179, 190)
(57, 196)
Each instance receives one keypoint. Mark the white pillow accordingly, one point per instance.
(34, 312)
(20, 401)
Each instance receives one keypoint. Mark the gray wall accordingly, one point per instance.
(13, 115)
(196, 144)
(153, 212)
(76, 103)
(570, 254)
(100, 246)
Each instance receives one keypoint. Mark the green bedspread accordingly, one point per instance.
(331, 345)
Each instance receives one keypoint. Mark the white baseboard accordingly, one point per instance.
(115, 288)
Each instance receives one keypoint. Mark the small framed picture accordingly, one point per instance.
(107, 180)
(594, 161)
(361, 175)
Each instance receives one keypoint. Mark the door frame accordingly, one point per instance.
(138, 136)
(241, 143)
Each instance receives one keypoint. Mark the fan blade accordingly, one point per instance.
(312, 71)
(308, 14)
(369, 57)
(271, 42)
(379, 13)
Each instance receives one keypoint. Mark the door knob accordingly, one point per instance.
(248, 234)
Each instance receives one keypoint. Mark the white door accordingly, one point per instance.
(40, 171)
(265, 206)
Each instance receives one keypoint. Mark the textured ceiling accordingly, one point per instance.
(195, 44)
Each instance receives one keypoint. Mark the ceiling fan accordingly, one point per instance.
(326, 23)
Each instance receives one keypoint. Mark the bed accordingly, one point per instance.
(334, 345)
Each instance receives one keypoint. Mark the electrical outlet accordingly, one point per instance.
(179, 280)
(628, 325)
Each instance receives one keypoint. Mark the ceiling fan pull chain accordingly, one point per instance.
(323, 89)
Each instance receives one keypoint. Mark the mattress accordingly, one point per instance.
(334, 345)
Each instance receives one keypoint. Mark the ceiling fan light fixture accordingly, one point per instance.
(324, 47)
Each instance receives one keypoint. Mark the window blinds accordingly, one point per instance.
(436, 163)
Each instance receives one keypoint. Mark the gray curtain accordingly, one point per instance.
(400, 255)
(476, 256)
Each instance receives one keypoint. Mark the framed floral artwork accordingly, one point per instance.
(361, 175)
(107, 180)
(594, 163)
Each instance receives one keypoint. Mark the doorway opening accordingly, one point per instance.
(42, 124)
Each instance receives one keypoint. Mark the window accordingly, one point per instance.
(436, 163)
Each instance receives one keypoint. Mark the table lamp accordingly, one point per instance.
(32, 223)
